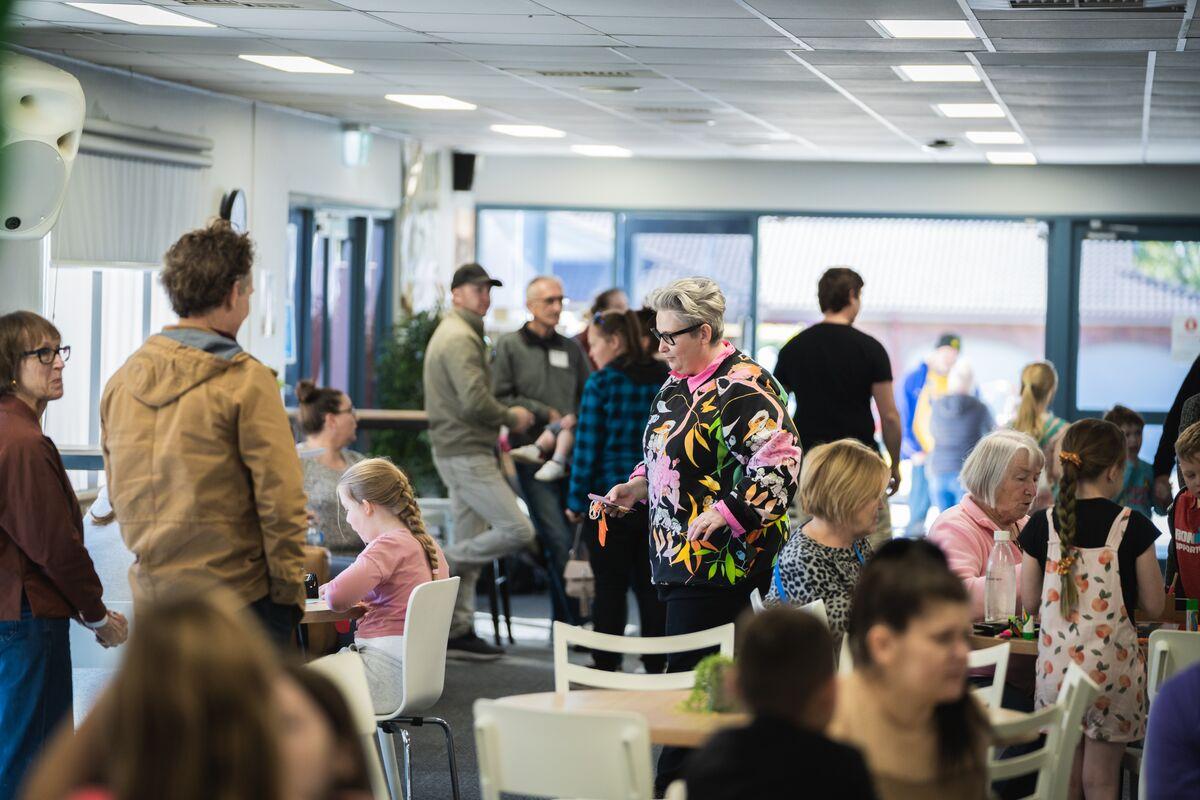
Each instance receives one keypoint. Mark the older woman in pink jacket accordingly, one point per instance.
(1000, 478)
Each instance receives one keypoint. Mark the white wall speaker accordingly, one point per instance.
(42, 108)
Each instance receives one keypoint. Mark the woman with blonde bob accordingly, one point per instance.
(842, 485)
(1039, 382)
(399, 556)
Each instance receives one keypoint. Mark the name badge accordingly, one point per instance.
(558, 358)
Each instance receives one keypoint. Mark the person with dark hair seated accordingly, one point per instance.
(786, 680)
(906, 705)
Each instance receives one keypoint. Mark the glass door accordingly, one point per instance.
(658, 249)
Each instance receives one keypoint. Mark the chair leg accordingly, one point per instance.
(386, 745)
(406, 744)
(494, 601)
(445, 726)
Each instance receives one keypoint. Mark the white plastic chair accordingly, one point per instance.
(566, 673)
(817, 609)
(1169, 653)
(676, 791)
(1063, 725)
(426, 628)
(997, 657)
(845, 660)
(756, 600)
(346, 671)
(601, 755)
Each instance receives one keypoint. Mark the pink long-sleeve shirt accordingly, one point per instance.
(382, 577)
(964, 532)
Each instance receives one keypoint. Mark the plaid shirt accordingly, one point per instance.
(608, 436)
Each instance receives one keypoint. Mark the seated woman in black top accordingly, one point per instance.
(785, 678)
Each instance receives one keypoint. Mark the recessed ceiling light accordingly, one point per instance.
(995, 137)
(529, 131)
(970, 110)
(938, 73)
(298, 64)
(140, 14)
(431, 102)
(926, 28)
(1011, 157)
(601, 150)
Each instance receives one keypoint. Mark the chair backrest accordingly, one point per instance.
(566, 673)
(817, 609)
(676, 791)
(1062, 723)
(346, 670)
(845, 660)
(599, 755)
(756, 601)
(426, 628)
(997, 657)
(1170, 652)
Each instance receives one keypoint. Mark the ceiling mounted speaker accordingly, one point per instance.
(43, 108)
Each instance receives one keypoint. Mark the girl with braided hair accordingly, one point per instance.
(1087, 561)
(399, 556)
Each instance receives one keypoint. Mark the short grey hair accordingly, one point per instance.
(533, 283)
(985, 466)
(697, 300)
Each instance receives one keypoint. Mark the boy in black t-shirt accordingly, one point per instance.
(786, 679)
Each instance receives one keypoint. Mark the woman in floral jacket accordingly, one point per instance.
(720, 467)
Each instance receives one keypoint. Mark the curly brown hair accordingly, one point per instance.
(202, 267)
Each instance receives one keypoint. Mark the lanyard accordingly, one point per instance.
(778, 581)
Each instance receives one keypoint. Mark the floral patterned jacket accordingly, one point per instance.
(722, 439)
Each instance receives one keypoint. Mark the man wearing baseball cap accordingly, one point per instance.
(921, 386)
(464, 424)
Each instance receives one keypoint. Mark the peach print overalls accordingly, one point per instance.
(1098, 636)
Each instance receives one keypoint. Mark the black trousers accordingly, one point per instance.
(688, 611)
(623, 563)
(278, 621)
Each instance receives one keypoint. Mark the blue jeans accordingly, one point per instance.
(918, 501)
(35, 691)
(547, 502)
(947, 491)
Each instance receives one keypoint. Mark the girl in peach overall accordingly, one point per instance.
(1089, 561)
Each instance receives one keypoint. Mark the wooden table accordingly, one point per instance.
(669, 723)
(1018, 647)
(317, 611)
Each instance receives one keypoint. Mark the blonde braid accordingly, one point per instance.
(410, 514)
(1065, 521)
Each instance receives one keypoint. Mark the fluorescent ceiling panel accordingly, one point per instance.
(529, 131)
(970, 110)
(926, 28)
(938, 73)
(431, 102)
(298, 64)
(601, 150)
(995, 137)
(139, 14)
(1018, 157)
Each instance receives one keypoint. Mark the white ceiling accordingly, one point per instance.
(779, 79)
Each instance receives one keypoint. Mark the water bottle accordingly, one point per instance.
(1000, 586)
(315, 537)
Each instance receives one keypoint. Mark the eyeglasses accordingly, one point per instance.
(46, 355)
(351, 411)
(669, 337)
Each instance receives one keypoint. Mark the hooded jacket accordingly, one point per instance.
(202, 469)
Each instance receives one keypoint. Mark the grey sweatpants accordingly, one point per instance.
(487, 524)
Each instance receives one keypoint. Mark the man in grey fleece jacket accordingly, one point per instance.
(464, 423)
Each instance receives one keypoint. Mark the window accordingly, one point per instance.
(577, 247)
(339, 292)
(984, 280)
(1136, 297)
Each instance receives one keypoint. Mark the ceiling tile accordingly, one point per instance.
(485, 23)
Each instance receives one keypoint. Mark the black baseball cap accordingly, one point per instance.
(472, 273)
(950, 340)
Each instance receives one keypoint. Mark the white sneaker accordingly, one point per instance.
(550, 472)
(529, 454)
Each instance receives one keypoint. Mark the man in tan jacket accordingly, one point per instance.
(201, 463)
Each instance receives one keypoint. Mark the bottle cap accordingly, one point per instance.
(1002, 536)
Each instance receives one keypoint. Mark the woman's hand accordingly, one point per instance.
(114, 632)
(705, 525)
(627, 495)
(574, 517)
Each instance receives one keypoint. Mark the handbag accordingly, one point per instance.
(578, 580)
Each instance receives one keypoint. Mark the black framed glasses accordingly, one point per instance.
(46, 355)
(669, 336)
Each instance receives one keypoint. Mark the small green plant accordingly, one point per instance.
(401, 385)
(711, 694)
